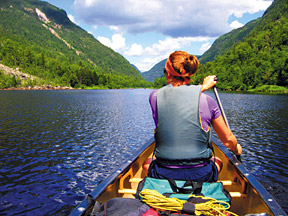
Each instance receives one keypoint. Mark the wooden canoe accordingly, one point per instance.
(248, 195)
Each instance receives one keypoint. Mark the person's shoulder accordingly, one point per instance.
(209, 98)
(213, 105)
(153, 94)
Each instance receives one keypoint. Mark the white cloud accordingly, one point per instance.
(205, 47)
(135, 50)
(147, 63)
(89, 3)
(250, 6)
(117, 43)
(183, 18)
(105, 41)
(115, 29)
(164, 47)
(161, 50)
(72, 18)
(235, 24)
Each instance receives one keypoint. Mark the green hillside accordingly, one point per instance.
(260, 60)
(155, 72)
(40, 40)
(226, 41)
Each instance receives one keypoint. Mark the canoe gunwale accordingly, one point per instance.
(266, 196)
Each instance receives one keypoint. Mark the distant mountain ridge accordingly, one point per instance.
(226, 41)
(155, 72)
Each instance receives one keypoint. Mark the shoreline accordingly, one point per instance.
(38, 88)
(70, 88)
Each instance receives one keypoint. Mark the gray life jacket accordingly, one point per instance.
(180, 138)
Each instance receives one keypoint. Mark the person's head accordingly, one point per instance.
(179, 68)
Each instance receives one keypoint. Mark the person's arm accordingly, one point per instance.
(208, 82)
(153, 104)
(225, 135)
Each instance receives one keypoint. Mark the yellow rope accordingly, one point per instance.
(159, 201)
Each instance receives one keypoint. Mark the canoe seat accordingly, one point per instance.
(226, 182)
(127, 191)
(236, 194)
(133, 191)
(135, 180)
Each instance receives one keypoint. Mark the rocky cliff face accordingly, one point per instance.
(17, 73)
(42, 17)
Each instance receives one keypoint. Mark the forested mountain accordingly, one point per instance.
(260, 59)
(155, 72)
(252, 57)
(39, 39)
(226, 41)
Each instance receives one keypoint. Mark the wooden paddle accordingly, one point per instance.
(222, 110)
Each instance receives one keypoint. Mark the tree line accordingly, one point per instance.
(261, 59)
(58, 71)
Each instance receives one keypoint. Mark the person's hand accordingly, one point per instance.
(239, 149)
(208, 82)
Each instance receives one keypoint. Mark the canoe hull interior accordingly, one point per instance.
(248, 195)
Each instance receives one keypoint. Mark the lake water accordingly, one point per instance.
(57, 146)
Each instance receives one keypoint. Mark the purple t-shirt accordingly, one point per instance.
(209, 109)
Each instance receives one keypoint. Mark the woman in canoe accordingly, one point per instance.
(183, 116)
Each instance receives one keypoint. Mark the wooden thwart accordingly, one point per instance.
(127, 191)
(133, 191)
(137, 180)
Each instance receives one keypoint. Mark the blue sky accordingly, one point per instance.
(146, 32)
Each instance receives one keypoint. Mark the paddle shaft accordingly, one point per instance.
(223, 113)
(220, 105)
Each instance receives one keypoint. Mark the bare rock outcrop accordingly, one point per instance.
(17, 73)
(23, 77)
